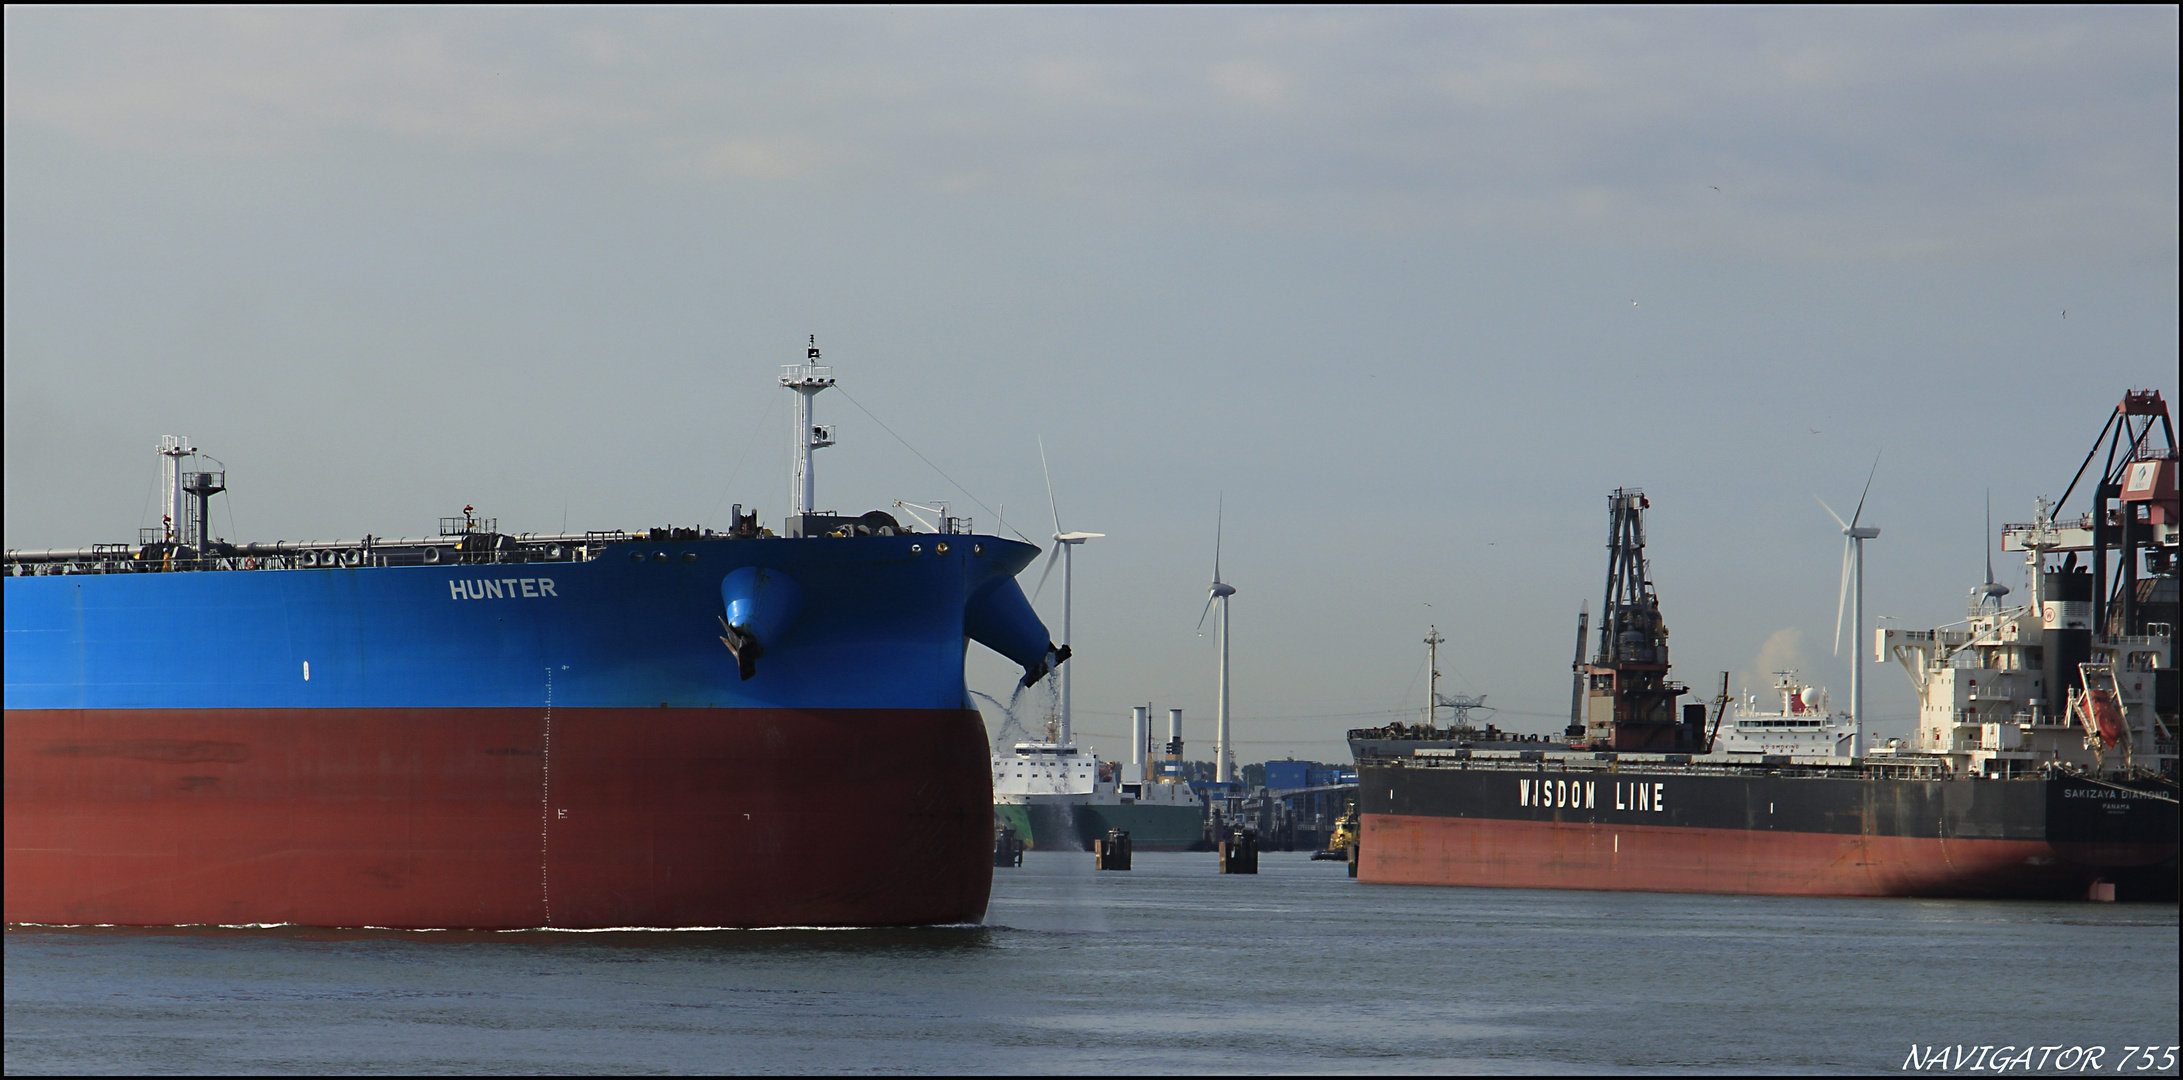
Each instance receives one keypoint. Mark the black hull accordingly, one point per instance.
(1823, 831)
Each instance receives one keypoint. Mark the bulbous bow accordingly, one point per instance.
(762, 603)
(999, 618)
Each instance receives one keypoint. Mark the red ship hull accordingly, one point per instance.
(1426, 850)
(498, 818)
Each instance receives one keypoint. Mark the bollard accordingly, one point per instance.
(1111, 853)
(1239, 853)
(1007, 847)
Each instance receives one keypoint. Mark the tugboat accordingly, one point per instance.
(1344, 838)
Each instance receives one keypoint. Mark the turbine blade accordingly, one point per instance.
(1049, 474)
(1987, 541)
(1854, 518)
(1220, 517)
(1051, 559)
(1842, 601)
(1208, 609)
(1830, 513)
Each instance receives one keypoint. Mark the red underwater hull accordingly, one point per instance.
(1423, 850)
(498, 818)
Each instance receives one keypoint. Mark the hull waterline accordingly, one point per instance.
(497, 818)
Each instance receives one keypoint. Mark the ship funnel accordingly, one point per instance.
(761, 604)
(999, 618)
(1140, 739)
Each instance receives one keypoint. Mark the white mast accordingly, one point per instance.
(806, 379)
(1432, 662)
(174, 448)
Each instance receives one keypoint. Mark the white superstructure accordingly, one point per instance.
(1053, 770)
(1983, 701)
(1049, 772)
(1801, 724)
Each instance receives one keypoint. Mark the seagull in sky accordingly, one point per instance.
(1633, 303)
(1715, 187)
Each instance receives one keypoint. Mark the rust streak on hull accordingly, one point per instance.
(473, 818)
(1500, 853)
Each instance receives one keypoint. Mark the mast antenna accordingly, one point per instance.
(808, 380)
(1433, 641)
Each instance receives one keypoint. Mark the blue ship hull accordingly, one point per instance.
(881, 627)
(566, 743)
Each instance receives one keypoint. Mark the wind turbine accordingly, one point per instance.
(1853, 559)
(1064, 551)
(1220, 590)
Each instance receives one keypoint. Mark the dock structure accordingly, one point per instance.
(1007, 847)
(1239, 853)
(1288, 805)
(1111, 852)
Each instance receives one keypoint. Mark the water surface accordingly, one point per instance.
(1166, 968)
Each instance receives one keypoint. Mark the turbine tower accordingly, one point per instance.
(1223, 749)
(1853, 562)
(1065, 544)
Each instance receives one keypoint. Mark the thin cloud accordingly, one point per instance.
(1924, 133)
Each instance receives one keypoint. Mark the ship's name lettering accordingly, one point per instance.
(2103, 793)
(1574, 794)
(513, 588)
(1583, 795)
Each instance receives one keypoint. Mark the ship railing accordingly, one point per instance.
(307, 554)
(2083, 521)
(1914, 769)
(466, 525)
(2134, 639)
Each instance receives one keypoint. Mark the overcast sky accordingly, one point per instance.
(1411, 290)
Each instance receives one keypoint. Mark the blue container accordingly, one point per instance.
(1288, 775)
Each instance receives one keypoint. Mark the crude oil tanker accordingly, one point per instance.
(2043, 763)
(669, 728)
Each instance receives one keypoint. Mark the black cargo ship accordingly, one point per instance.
(2043, 763)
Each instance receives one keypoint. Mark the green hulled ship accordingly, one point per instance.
(1058, 799)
